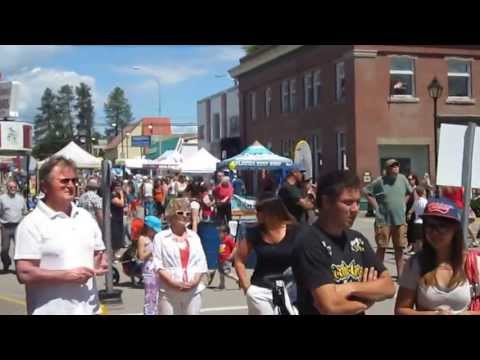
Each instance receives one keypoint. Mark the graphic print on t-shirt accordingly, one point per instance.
(344, 272)
(357, 245)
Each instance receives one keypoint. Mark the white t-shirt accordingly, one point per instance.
(60, 242)
(148, 189)
(434, 297)
(419, 207)
(166, 256)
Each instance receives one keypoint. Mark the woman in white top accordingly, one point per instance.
(181, 185)
(434, 280)
(180, 262)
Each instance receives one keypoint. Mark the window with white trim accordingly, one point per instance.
(285, 96)
(459, 78)
(402, 76)
(308, 86)
(293, 95)
(253, 111)
(340, 81)
(341, 151)
(317, 87)
(234, 126)
(268, 101)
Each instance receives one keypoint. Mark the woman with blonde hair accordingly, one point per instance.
(273, 241)
(434, 281)
(180, 262)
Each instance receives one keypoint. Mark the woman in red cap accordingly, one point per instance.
(434, 281)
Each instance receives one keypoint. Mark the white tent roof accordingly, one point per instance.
(83, 159)
(170, 159)
(202, 162)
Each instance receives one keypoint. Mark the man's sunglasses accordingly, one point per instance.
(65, 181)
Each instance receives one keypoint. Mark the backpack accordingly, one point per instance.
(472, 271)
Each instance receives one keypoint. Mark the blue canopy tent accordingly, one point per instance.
(257, 157)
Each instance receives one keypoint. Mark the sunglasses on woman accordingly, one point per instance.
(438, 226)
(183, 213)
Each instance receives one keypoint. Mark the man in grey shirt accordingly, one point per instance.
(12, 209)
(91, 201)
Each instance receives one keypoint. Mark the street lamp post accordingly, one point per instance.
(435, 90)
(128, 137)
(157, 80)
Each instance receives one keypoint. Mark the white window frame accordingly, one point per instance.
(461, 74)
(268, 101)
(285, 100)
(403, 72)
(340, 90)
(293, 94)
(308, 86)
(317, 87)
(342, 163)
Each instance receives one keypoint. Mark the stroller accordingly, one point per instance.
(131, 265)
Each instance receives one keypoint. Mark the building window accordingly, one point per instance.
(341, 151)
(293, 95)
(268, 101)
(308, 86)
(317, 87)
(209, 130)
(285, 96)
(216, 126)
(340, 81)
(402, 70)
(253, 112)
(201, 132)
(234, 126)
(459, 78)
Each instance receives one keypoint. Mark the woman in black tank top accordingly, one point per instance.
(273, 241)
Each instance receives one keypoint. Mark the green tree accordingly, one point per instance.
(251, 48)
(117, 111)
(65, 99)
(85, 112)
(49, 131)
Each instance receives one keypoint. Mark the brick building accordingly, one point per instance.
(356, 105)
(218, 123)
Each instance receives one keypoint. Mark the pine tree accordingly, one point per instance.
(49, 130)
(85, 111)
(118, 112)
(65, 99)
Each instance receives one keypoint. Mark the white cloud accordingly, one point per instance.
(15, 58)
(223, 53)
(34, 82)
(166, 74)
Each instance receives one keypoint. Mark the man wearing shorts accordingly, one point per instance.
(387, 194)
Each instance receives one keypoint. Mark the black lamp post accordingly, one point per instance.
(435, 90)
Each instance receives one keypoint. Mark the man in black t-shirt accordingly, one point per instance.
(293, 197)
(336, 270)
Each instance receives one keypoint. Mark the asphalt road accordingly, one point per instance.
(230, 301)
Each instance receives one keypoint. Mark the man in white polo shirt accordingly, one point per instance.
(59, 248)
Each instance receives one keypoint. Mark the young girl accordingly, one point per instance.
(145, 253)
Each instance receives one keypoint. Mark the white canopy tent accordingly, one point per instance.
(202, 162)
(82, 158)
(170, 159)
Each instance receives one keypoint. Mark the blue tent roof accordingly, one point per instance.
(256, 157)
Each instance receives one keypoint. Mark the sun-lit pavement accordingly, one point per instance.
(215, 302)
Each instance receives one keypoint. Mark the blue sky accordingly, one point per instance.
(185, 73)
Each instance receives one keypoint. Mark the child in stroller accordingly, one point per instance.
(131, 265)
